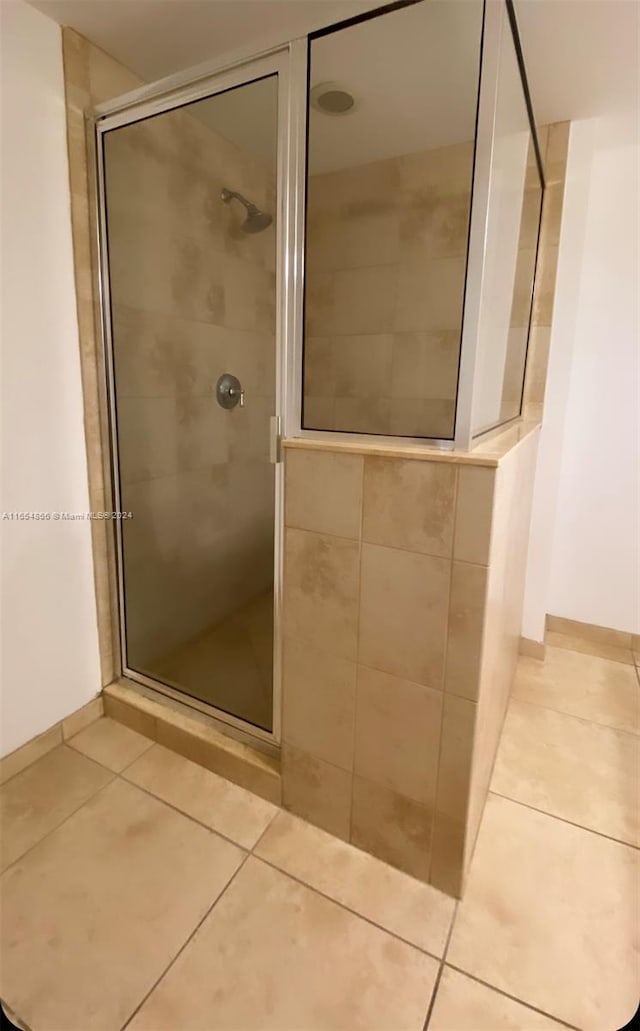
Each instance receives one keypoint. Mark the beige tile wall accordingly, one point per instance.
(386, 250)
(554, 143)
(386, 247)
(384, 606)
(402, 603)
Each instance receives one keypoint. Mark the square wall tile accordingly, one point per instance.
(448, 854)
(364, 300)
(323, 492)
(316, 791)
(409, 504)
(392, 827)
(466, 624)
(545, 286)
(474, 510)
(321, 591)
(319, 701)
(398, 734)
(363, 365)
(403, 613)
(456, 747)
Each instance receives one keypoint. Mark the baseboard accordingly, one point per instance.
(590, 639)
(533, 649)
(38, 746)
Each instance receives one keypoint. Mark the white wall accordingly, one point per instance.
(584, 546)
(50, 663)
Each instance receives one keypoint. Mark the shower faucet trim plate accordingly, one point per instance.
(229, 392)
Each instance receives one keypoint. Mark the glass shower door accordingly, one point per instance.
(190, 218)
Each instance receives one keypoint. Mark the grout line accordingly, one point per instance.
(514, 998)
(443, 683)
(189, 938)
(151, 744)
(103, 766)
(185, 943)
(436, 984)
(199, 823)
(357, 662)
(342, 905)
(57, 827)
(562, 819)
(392, 547)
(582, 719)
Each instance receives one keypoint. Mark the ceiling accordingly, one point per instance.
(412, 73)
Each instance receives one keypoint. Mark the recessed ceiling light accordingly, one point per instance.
(331, 99)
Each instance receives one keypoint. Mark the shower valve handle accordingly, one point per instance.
(229, 391)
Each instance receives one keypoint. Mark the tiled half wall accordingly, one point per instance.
(402, 602)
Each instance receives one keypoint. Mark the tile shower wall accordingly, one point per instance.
(386, 254)
(554, 143)
(384, 607)
(192, 297)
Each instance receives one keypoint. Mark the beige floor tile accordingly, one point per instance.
(613, 652)
(111, 744)
(37, 800)
(463, 1004)
(581, 685)
(550, 915)
(275, 954)
(399, 903)
(579, 771)
(214, 801)
(93, 916)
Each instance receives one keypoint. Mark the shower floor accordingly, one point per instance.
(229, 665)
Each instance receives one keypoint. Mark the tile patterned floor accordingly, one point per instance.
(142, 891)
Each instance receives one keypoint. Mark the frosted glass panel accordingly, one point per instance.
(392, 112)
(515, 200)
(191, 227)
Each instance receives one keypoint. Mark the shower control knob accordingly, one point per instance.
(229, 392)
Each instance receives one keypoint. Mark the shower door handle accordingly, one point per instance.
(275, 455)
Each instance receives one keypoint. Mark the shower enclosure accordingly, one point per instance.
(191, 191)
(332, 240)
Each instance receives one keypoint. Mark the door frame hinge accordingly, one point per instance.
(275, 440)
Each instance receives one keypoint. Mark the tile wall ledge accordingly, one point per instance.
(488, 452)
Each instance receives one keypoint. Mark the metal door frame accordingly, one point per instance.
(289, 63)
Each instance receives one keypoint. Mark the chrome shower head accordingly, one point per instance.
(256, 220)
